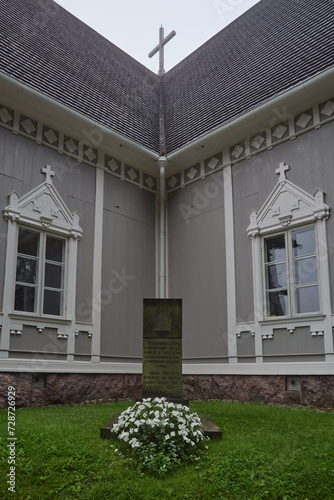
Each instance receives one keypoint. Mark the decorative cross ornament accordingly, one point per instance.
(281, 171)
(49, 174)
(160, 48)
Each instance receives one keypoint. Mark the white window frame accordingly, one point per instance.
(41, 261)
(287, 208)
(42, 210)
(291, 286)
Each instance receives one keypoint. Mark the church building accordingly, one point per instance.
(212, 183)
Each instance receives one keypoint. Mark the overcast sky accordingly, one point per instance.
(133, 25)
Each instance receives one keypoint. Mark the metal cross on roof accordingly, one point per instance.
(160, 48)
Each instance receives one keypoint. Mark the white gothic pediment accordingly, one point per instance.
(287, 205)
(43, 207)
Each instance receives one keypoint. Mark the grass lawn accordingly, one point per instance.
(267, 452)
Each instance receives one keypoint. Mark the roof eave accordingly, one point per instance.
(87, 124)
(262, 112)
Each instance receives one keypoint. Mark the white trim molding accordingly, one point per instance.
(230, 264)
(97, 263)
(287, 205)
(43, 208)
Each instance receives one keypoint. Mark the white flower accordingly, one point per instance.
(124, 435)
(172, 433)
(134, 443)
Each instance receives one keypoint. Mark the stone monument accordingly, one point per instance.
(162, 360)
(162, 349)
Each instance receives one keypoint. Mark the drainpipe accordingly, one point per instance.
(162, 231)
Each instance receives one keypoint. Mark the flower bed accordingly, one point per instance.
(162, 435)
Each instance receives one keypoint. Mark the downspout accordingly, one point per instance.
(162, 230)
(162, 202)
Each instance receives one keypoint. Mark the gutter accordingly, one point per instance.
(24, 89)
(307, 85)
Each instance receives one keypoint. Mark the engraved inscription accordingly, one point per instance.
(162, 367)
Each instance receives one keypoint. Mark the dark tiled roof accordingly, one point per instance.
(44, 46)
(272, 47)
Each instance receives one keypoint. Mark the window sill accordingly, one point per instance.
(295, 319)
(37, 318)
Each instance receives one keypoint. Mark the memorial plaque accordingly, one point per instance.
(162, 348)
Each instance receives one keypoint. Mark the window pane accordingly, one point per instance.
(277, 276)
(306, 270)
(52, 302)
(275, 249)
(26, 270)
(278, 303)
(28, 242)
(307, 299)
(54, 249)
(25, 298)
(53, 275)
(303, 241)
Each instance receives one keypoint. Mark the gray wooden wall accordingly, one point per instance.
(197, 271)
(128, 264)
(311, 160)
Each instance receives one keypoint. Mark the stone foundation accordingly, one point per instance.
(67, 388)
(316, 391)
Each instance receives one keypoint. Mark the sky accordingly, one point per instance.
(133, 25)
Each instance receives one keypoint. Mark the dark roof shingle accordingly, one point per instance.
(274, 46)
(46, 47)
